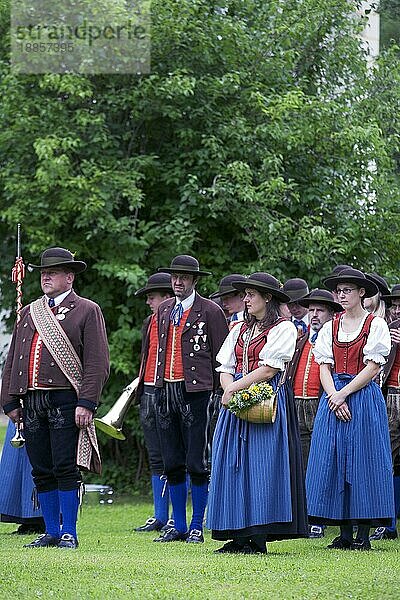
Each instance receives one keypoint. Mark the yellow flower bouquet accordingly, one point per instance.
(256, 404)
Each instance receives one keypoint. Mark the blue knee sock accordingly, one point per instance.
(160, 498)
(178, 495)
(50, 505)
(199, 502)
(69, 503)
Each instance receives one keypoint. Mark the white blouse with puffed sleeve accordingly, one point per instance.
(376, 349)
(278, 349)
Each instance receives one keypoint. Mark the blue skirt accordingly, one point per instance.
(349, 473)
(16, 483)
(257, 480)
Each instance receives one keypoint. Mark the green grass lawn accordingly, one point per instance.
(113, 562)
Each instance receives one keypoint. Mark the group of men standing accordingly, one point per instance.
(58, 363)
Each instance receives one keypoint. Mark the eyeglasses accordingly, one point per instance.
(346, 291)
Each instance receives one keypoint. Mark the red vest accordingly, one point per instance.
(255, 347)
(306, 382)
(35, 356)
(394, 376)
(348, 356)
(151, 359)
(34, 360)
(173, 352)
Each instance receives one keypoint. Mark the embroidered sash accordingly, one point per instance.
(57, 342)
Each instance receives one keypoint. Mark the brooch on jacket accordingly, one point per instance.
(62, 311)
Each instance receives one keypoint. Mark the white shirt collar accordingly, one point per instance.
(60, 298)
(239, 317)
(305, 319)
(187, 302)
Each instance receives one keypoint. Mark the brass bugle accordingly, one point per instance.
(111, 423)
(18, 440)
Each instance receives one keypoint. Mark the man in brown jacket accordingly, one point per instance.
(191, 331)
(56, 367)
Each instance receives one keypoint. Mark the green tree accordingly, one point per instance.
(389, 11)
(260, 140)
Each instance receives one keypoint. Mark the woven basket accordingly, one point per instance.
(264, 412)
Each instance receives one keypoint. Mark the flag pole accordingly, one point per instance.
(18, 274)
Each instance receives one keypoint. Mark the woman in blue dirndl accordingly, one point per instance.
(16, 488)
(257, 489)
(349, 474)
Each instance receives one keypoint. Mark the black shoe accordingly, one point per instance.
(251, 549)
(315, 531)
(358, 544)
(381, 533)
(28, 529)
(152, 524)
(168, 524)
(230, 548)
(255, 548)
(68, 541)
(43, 541)
(172, 535)
(340, 543)
(195, 537)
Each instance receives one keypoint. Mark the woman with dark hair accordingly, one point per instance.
(349, 473)
(257, 488)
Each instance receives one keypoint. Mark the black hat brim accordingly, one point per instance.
(296, 296)
(154, 288)
(187, 270)
(382, 288)
(224, 293)
(335, 306)
(77, 266)
(260, 287)
(370, 288)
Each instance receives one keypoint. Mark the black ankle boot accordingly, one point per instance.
(259, 544)
(362, 540)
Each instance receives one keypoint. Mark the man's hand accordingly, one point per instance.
(83, 417)
(15, 415)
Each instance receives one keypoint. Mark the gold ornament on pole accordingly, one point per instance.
(17, 276)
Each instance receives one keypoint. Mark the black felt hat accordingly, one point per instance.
(380, 282)
(394, 294)
(338, 268)
(295, 288)
(355, 276)
(158, 282)
(225, 285)
(318, 296)
(264, 283)
(184, 264)
(59, 257)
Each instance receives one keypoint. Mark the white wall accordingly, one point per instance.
(370, 34)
